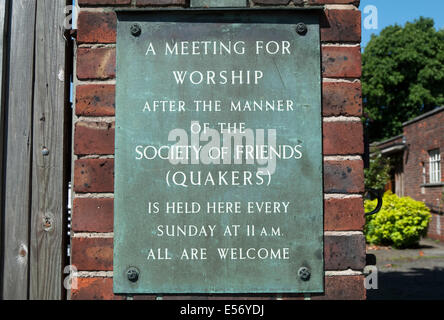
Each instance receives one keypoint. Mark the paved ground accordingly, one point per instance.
(410, 273)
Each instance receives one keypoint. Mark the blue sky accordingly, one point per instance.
(400, 11)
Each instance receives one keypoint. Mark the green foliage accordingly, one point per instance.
(402, 76)
(378, 174)
(400, 223)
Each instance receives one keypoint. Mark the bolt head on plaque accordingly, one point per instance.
(136, 30)
(304, 273)
(133, 274)
(301, 28)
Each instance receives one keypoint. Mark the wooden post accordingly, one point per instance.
(4, 6)
(35, 107)
(17, 179)
(49, 195)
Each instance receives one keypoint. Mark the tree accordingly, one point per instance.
(402, 76)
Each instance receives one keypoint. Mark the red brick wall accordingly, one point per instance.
(436, 227)
(92, 224)
(422, 136)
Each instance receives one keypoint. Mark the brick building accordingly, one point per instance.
(417, 170)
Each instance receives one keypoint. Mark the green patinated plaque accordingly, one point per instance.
(218, 163)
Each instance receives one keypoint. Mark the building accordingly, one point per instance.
(417, 167)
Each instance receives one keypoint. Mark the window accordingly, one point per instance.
(435, 166)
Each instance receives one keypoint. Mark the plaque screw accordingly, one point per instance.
(136, 30)
(301, 29)
(304, 274)
(133, 274)
(45, 152)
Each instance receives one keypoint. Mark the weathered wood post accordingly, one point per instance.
(34, 91)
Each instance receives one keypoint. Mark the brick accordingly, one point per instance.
(343, 26)
(342, 99)
(217, 297)
(144, 297)
(96, 63)
(317, 2)
(96, 27)
(436, 236)
(344, 214)
(94, 175)
(343, 138)
(343, 288)
(271, 2)
(436, 225)
(342, 252)
(345, 176)
(103, 2)
(93, 215)
(243, 298)
(94, 289)
(92, 254)
(182, 297)
(94, 138)
(95, 100)
(292, 297)
(160, 2)
(341, 62)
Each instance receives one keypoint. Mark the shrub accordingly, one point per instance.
(378, 174)
(400, 223)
